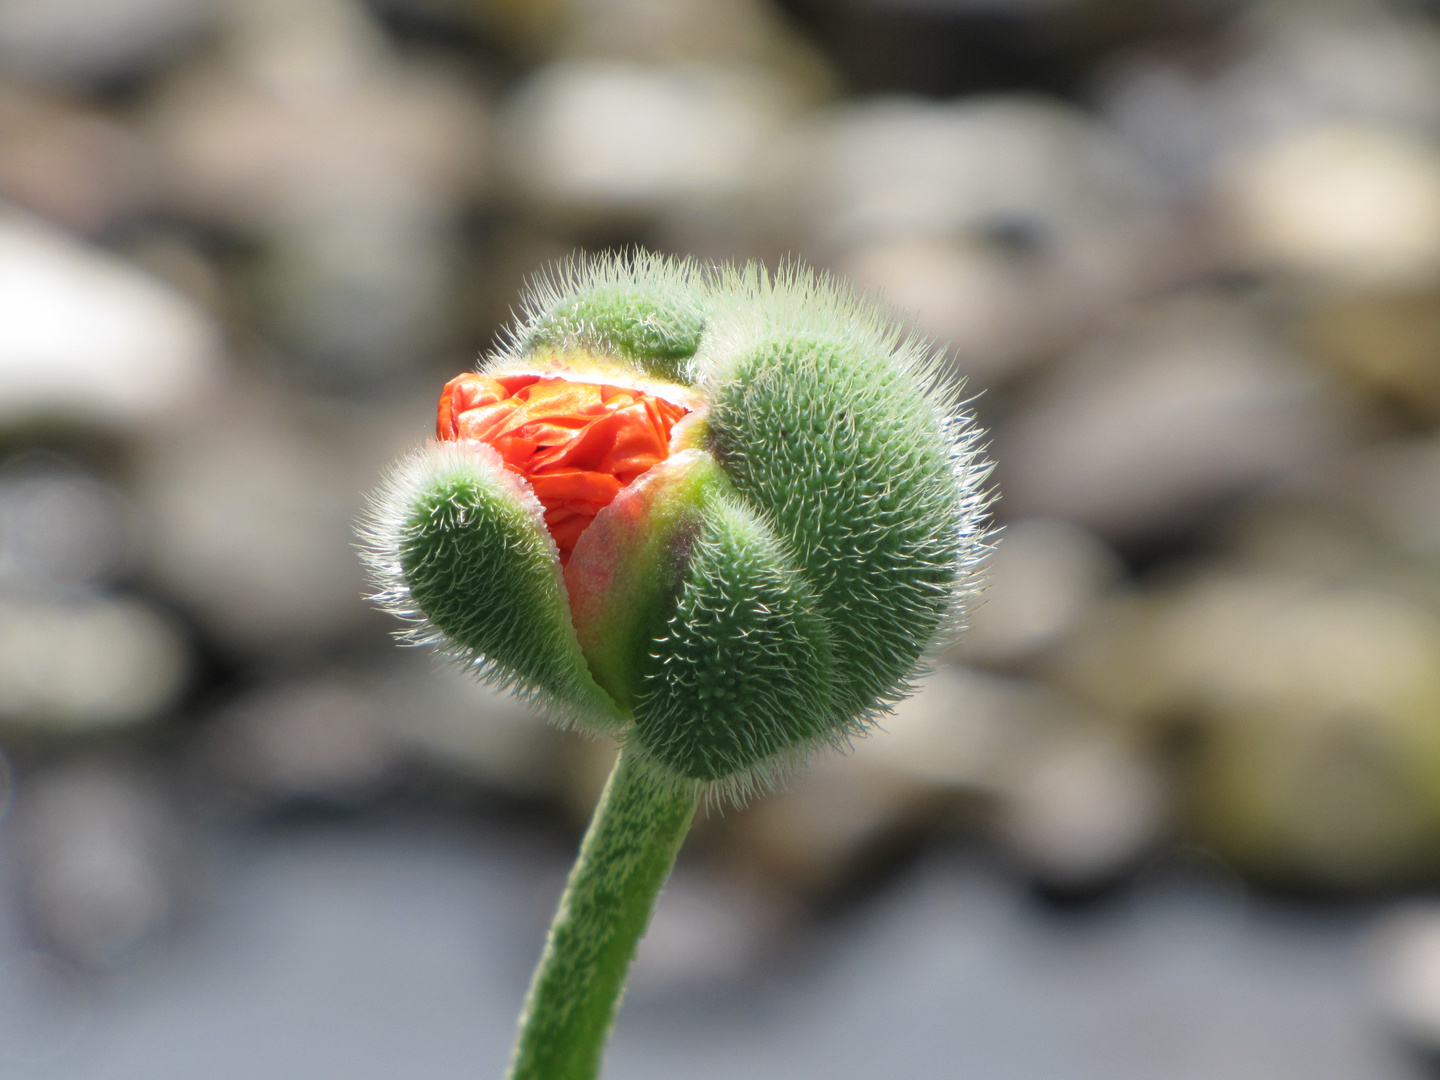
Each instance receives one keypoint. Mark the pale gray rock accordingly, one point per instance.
(594, 140)
(322, 739)
(1043, 576)
(1082, 807)
(1006, 226)
(61, 529)
(1403, 950)
(251, 508)
(1150, 427)
(97, 852)
(443, 716)
(346, 162)
(1340, 205)
(83, 41)
(1284, 67)
(87, 664)
(88, 338)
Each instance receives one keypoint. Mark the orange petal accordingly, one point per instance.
(513, 384)
(485, 421)
(556, 397)
(577, 443)
(460, 395)
(639, 442)
(575, 484)
(567, 532)
(516, 452)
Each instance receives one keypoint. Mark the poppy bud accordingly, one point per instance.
(722, 516)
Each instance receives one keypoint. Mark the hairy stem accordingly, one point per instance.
(624, 860)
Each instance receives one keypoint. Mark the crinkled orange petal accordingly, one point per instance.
(462, 394)
(578, 444)
(516, 452)
(513, 384)
(484, 421)
(568, 485)
(567, 533)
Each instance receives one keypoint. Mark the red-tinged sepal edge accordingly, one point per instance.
(627, 567)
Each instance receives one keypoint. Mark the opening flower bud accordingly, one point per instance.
(721, 515)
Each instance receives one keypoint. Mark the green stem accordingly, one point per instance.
(624, 860)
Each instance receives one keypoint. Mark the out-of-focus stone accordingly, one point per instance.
(87, 664)
(97, 852)
(1071, 799)
(85, 41)
(1108, 661)
(960, 731)
(347, 163)
(1283, 67)
(748, 32)
(1239, 639)
(87, 338)
(359, 288)
(178, 260)
(322, 739)
(1299, 63)
(1348, 205)
(70, 164)
(658, 117)
(598, 140)
(1404, 961)
(1168, 113)
(1389, 489)
(447, 718)
(1285, 533)
(1306, 707)
(961, 736)
(61, 530)
(1320, 759)
(708, 930)
(1044, 574)
(1385, 341)
(831, 824)
(1081, 808)
(251, 510)
(1148, 429)
(1008, 226)
(306, 101)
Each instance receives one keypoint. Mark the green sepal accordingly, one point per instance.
(475, 559)
(828, 427)
(628, 567)
(638, 308)
(742, 672)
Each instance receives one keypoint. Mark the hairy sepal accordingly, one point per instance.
(637, 307)
(740, 679)
(837, 429)
(460, 549)
(627, 567)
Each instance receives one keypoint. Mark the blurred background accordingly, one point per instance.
(1171, 809)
